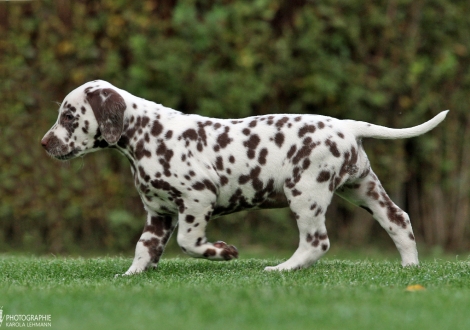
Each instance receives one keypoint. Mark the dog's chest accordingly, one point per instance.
(158, 194)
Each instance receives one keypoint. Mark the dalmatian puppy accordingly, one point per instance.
(189, 169)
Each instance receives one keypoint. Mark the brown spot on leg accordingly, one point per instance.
(229, 252)
(154, 247)
(394, 214)
(209, 253)
(190, 218)
(323, 237)
(158, 225)
(309, 238)
(371, 190)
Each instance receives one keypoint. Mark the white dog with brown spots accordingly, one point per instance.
(189, 169)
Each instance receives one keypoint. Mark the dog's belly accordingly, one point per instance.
(239, 203)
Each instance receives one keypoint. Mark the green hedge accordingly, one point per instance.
(394, 63)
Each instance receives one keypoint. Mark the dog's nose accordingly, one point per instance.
(44, 142)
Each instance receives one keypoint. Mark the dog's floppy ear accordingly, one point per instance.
(108, 107)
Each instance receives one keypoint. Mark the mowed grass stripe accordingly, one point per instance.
(197, 294)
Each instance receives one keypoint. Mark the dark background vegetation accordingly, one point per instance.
(395, 63)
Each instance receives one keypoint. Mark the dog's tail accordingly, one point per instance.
(365, 130)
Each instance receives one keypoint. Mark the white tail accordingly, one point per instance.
(365, 130)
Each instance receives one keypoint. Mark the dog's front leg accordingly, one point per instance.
(192, 237)
(151, 244)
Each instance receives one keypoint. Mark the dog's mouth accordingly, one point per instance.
(58, 149)
(67, 156)
(70, 155)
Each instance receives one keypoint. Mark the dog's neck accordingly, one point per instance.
(142, 122)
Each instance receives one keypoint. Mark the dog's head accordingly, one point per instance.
(90, 117)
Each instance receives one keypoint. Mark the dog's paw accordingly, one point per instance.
(228, 252)
(276, 269)
(131, 271)
(284, 267)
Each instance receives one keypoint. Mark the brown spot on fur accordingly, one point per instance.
(279, 139)
(190, 218)
(219, 163)
(319, 211)
(306, 129)
(371, 190)
(281, 122)
(394, 214)
(291, 151)
(323, 176)
(306, 163)
(209, 185)
(145, 121)
(190, 134)
(296, 192)
(140, 151)
(199, 186)
(209, 253)
(154, 247)
(309, 238)
(333, 147)
(223, 139)
(262, 156)
(303, 152)
(157, 128)
(223, 180)
(252, 142)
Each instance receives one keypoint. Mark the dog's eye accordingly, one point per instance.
(68, 117)
(105, 93)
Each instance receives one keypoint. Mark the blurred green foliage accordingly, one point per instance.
(395, 63)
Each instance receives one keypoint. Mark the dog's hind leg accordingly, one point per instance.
(309, 205)
(368, 193)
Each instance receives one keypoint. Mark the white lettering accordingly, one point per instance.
(28, 317)
(28, 320)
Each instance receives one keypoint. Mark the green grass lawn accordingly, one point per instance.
(198, 294)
